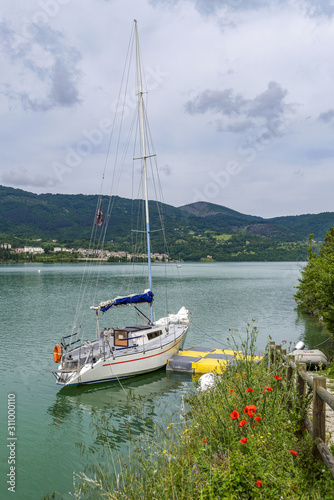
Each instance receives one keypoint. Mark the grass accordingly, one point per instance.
(243, 438)
(223, 237)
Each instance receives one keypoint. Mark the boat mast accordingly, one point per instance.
(143, 139)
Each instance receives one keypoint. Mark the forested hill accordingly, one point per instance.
(193, 230)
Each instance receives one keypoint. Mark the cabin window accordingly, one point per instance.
(153, 335)
(121, 338)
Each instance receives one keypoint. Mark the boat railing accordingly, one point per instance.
(297, 376)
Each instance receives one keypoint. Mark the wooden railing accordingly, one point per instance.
(321, 397)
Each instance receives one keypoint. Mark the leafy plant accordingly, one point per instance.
(243, 438)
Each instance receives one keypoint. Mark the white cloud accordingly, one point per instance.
(46, 69)
(240, 102)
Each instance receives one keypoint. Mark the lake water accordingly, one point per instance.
(37, 307)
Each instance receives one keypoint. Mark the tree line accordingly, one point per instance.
(315, 294)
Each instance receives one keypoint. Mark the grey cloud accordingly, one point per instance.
(210, 7)
(318, 154)
(327, 116)
(166, 169)
(239, 126)
(56, 73)
(22, 177)
(218, 101)
(239, 114)
(270, 103)
(319, 8)
(312, 8)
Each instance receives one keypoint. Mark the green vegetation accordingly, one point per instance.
(222, 237)
(243, 438)
(60, 257)
(192, 232)
(315, 294)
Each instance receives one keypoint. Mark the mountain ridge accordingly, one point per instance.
(201, 226)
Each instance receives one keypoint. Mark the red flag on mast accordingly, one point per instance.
(99, 218)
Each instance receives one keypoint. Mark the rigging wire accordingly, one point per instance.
(205, 333)
(97, 240)
(91, 274)
(329, 338)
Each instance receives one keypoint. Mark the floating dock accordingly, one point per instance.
(205, 360)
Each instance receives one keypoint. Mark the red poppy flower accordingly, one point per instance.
(278, 377)
(250, 410)
(294, 453)
(231, 390)
(259, 483)
(249, 389)
(257, 419)
(242, 423)
(269, 388)
(243, 440)
(205, 440)
(234, 415)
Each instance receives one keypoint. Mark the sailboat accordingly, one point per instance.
(117, 353)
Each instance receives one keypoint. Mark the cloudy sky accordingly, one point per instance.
(241, 99)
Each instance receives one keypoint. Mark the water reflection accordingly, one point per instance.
(114, 411)
(315, 335)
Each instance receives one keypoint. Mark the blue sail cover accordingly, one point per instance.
(129, 299)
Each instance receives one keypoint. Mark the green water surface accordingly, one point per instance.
(38, 303)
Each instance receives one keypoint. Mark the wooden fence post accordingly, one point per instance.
(301, 383)
(272, 353)
(289, 379)
(278, 355)
(284, 358)
(319, 413)
(289, 373)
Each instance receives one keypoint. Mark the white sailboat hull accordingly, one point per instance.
(131, 362)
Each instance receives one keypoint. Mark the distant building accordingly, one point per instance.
(63, 249)
(6, 245)
(33, 250)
